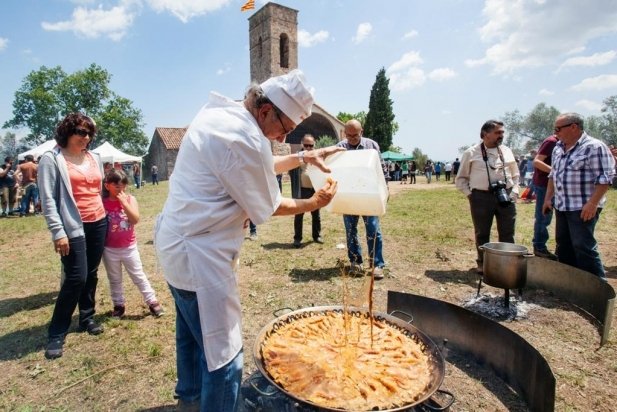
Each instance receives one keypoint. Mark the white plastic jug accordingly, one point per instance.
(362, 189)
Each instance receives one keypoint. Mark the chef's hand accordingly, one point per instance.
(61, 246)
(324, 195)
(316, 157)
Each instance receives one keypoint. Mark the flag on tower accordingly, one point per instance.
(248, 5)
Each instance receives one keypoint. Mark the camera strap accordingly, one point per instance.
(485, 158)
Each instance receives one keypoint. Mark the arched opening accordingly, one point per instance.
(284, 50)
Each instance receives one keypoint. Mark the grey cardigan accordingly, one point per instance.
(57, 201)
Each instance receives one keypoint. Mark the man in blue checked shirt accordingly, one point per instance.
(582, 171)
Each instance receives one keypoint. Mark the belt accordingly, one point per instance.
(479, 190)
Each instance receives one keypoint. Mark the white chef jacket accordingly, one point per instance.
(224, 174)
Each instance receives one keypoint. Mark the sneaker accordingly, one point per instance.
(378, 273)
(318, 239)
(544, 253)
(253, 236)
(118, 311)
(91, 327)
(156, 309)
(54, 349)
(356, 269)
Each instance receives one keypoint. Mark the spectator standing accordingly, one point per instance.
(225, 173)
(405, 171)
(303, 189)
(137, 174)
(413, 171)
(437, 171)
(542, 164)
(28, 171)
(154, 172)
(582, 171)
(355, 141)
(448, 170)
(489, 177)
(70, 183)
(121, 244)
(428, 171)
(8, 187)
(455, 166)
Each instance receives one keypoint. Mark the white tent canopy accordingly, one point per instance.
(109, 153)
(38, 151)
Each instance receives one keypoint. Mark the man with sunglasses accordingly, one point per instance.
(582, 171)
(225, 174)
(302, 188)
(489, 177)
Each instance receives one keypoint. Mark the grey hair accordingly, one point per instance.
(255, 96)
(573, 118)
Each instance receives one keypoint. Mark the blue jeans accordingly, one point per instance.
(137, 181)
(252, 228)
(576, 245)
(542, 221)
(373, 239)
(80, 279)
(216, 391)
(31, 194)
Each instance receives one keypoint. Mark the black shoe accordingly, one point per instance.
(54, 349)
(318, 239)
(91, 327)
(544, 254)
(297, 244)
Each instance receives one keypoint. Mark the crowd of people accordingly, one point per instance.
(18, 187)
(200, 231)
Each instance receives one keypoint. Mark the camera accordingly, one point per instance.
(499, 189)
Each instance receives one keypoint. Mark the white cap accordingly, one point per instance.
(290, 94)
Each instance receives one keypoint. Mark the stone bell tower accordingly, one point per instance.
(273, 40)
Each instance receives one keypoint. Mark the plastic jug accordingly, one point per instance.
(362, 189)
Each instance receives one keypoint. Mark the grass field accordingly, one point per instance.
(429, 250)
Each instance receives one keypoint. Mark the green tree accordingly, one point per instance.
(379, 124)
(524, 133)
(11, 146)
(419, 157)
(609, 121)
(325, 141)
(344, 117)
(47, 95)
(395, 149)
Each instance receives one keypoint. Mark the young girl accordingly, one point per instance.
(121, 245)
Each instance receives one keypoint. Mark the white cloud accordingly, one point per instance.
(589, 105)
(187, 9)
(93, 23)
(410, 35)
(596, 59)
(3, 43)
(533, 33)
(364, 29)
(306, 39)
(408, 59)
(602, 82)
(223, 70)
(442, 74)
(546, 92)
(408, 79)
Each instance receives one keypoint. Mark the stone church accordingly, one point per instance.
(273, 40)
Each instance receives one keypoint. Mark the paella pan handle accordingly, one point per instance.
(253, 382)
(403, 313)
(428, 405)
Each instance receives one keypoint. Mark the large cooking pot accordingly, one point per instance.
(436, 361)
(505, 265)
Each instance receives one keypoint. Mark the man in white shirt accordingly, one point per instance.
(225, 174)
(489, 177)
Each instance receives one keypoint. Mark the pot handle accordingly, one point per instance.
(528, 255)
(451, 399)
(404, 313)
(253, 383)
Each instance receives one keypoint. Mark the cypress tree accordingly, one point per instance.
(379, 124)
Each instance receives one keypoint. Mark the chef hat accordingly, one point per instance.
(290, 94)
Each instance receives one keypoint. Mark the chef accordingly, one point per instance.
(225, 174)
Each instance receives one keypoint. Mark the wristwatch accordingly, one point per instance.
(301, 156)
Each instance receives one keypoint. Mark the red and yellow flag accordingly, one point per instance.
(248, 5)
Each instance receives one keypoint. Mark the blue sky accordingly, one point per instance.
(452, 64)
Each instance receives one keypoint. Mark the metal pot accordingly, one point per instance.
(505, 265)
(437, 364)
